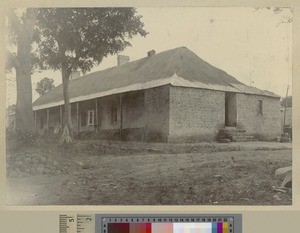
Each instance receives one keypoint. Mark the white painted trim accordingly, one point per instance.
(89, 114)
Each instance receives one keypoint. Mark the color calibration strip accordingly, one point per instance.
(190, 225)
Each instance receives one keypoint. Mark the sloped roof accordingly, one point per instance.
(177, 67)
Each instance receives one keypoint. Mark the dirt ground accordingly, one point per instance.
(116, 173)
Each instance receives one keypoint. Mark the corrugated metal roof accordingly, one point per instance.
(177, 67)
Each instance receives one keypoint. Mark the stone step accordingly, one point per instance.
(230, 127)
(235, 135)
(224, 140)
(245, 140)
(243, 136)
(240, 135)
(235, 130)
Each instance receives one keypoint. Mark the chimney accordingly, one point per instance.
(122, 59)
(74, 75)
(151, 53)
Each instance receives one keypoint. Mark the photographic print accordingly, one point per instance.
(149, 106)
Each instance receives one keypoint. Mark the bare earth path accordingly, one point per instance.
(241, 177)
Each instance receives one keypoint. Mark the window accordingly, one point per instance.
(114, 114)
(90, 118)
(260, 108)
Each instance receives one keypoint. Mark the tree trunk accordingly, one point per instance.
(67, 133)
(24, 112)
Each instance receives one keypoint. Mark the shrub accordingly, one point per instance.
(15, 140)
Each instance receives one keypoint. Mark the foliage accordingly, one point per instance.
(287, 102)
(16, 140)
(81, 37)
(281, 11)
(27, 138)
(44, 86)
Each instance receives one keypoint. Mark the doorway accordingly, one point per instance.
(230, 109)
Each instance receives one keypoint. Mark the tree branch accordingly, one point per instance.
(287, 21)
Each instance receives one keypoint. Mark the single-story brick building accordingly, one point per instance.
(172, 96)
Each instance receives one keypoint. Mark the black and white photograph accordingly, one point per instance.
(149, 106)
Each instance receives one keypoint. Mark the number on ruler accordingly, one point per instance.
(86, 224)
(67, 224)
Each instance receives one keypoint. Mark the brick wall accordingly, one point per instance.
(265, 126)
(195, 114)
(157, 104)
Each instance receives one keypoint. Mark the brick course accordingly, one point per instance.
(195, 114)
(265, 126)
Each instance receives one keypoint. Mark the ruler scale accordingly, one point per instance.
(67, 223)
(98, 223)
(62, 223)
(85, 223)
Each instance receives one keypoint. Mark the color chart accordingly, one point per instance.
(168, 225)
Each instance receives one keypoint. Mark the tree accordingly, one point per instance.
(281, 11)
(22, 33)
(79, 38)
(44, 86)
(287, 101)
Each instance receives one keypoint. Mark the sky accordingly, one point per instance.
(251, 45)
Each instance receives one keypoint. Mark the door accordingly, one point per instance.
(230, 109)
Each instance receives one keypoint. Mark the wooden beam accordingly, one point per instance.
(96, 115)
(145, 118)
(121, 116)
(285, 105)
(48, 120)
(77, 116)
(60, 117)
(35, 126)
